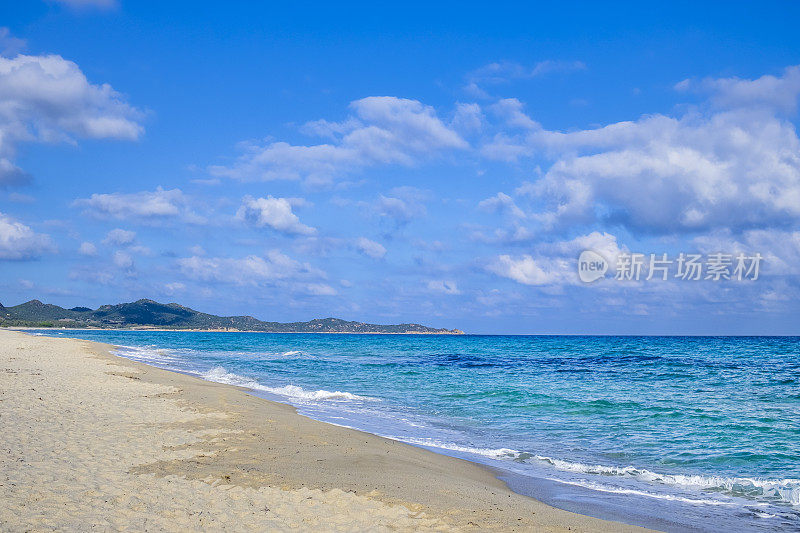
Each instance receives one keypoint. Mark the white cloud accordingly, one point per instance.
(501, 202)
(10, 45)
(19, 198)
(370, 248)
(88, 249)
(524, 269)
(725, 168)
(89, 4)
(273, 212)
(19, 242)
(251, 270)
(174, 288)
(49, 99)
(10, 174)
(554, 263)
(403, 204)
(120, 237)
(331, 130)
(443, 286)
(511, 111)
(152, 206)
(320, 289)
(515, 234)
(468, 118)
(399, 209)
(141, 250)
(382, 130)
(123, 260)
(502, 72)
(780, 249)
(779, 92)
(601, 242)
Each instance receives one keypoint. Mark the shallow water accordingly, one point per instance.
(678, 433)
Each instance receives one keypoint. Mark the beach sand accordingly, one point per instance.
(91, 440)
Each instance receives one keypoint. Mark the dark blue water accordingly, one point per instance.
(678, 433)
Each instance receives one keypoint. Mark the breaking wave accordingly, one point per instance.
(220, 375)
(778, 490)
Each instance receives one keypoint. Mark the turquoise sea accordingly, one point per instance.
(676, 433)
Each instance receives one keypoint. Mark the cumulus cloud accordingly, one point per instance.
(120, 237)
(273, 212)
(526, 269)
(735, 168)
(402, 204)
(252, 270)
(399, 209)
(554, 263)
(10, 45)
(49, 99)
(153, 206)
(779, 92)
(20, 242)
(780, 249)
(174, 287)
(382, 130)
(10, 174)
(468, 118)
(501, 202)
(370, 248)
(87, 249)
(319, 289)
(512, 112)
(443, 286)
(501, 72)
(603, 243)
(123, 260)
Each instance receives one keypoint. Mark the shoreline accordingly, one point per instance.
(464, 334)
(235, 442)
(145, 328)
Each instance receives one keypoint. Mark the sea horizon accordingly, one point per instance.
(466, 334)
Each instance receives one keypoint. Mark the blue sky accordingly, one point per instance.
(443, 165)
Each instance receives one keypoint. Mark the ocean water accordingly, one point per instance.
(676, 433)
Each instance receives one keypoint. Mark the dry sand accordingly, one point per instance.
(89, 440)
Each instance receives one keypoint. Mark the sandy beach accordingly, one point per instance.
(93, 441)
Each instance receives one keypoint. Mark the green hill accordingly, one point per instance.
(149, 314)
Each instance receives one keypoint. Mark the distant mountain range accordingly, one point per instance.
(148, 314)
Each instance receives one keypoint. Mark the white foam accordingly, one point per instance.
(786, 490)
(220, 375)
(292, 352)
(660, 496)
(147, 354)
(494, 453)
(783, 490)
(294, 391)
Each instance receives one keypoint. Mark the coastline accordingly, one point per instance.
(146, 328)
(224, 454)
